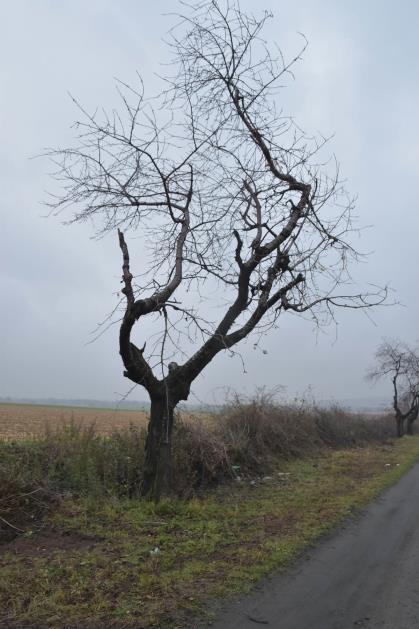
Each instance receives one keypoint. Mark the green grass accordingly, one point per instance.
(99, 564)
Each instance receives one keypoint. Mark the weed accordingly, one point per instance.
(213, 545)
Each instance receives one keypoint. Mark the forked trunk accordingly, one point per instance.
(156, 474)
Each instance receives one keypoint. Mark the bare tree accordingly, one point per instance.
(400, 363)
(232, 202)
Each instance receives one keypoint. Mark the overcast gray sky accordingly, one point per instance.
(359, 80)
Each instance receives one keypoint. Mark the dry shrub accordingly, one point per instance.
(249, 437)
(338, 428)
(24, 496)
(246, 438)
(199, 458)
(258, 432)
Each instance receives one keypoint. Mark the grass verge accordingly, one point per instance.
(113, 562)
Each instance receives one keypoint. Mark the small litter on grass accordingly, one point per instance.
(155, 551)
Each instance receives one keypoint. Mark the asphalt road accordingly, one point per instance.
(366, 575)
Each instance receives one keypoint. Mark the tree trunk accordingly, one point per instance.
(409, 426)
(400, 426)
(157, 463)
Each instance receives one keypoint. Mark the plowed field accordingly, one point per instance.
(20, 421)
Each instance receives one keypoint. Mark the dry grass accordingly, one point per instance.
(93, 563)
(22, 421)
(96, 452)
(79, 545)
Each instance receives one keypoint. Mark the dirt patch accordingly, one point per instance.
(23, 421)
(22, 511)
(85, 624)
(48, 541)
(279, 525)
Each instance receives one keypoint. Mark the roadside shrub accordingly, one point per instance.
(338, 428)
(199, 456)
(258, 432)
(247, 438)
(79, 459)
(24, 493)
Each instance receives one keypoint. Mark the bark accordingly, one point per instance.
(156, 474)
(410, 421)
(400, 425)
(219, 104)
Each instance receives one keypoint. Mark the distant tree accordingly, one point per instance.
(230, 198)
(399, 362)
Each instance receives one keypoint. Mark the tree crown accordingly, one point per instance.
(225, 189)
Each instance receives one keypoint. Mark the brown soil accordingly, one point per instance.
(20, 421)
(23, 421)
(47, 542)
(275, 525)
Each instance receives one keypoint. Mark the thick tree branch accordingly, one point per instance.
(137, 368)
(230, 198)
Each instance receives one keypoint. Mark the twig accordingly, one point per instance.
(12, 525)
